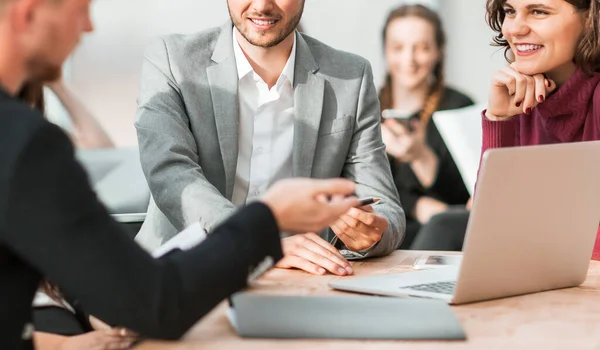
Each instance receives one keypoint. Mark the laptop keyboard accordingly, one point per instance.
(438, 287)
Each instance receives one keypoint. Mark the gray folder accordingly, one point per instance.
(343, 317)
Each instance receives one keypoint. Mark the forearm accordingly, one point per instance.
(185, 196)
(171, 153)
(376, 181)
(48, 341)
(176, 179)
(368, 166)
(79, 247)
(499, 133)
(425, 167)
(162, 345)
(87, 132)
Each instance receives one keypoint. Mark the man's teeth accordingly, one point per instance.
(261, 22)
(526, 48)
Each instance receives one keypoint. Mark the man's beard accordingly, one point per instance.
(283, 34)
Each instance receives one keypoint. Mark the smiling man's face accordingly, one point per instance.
(265, 23)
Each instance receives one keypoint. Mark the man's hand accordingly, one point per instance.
(313, 254)
(360, 228)
(302, 205)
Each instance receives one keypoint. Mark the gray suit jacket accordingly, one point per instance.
(187, 125)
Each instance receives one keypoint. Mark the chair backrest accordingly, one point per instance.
(118, 179)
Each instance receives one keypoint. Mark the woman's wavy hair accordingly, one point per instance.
(437, 89)
(587, 54)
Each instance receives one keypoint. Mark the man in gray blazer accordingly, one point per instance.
(225, 113)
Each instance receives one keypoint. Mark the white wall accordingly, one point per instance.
(106, 67)
(470, 59)
(356, 28)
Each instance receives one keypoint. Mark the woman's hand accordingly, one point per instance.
(401, 143)
(428, 207)
(112, 339)
(106, 339)
(514, 93)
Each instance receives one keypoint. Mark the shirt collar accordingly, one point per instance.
(244, 68)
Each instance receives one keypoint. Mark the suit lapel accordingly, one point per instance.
(309, 90)
(223, 84)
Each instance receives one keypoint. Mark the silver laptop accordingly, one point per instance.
(532, 228)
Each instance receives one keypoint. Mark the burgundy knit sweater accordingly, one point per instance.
(571, 114)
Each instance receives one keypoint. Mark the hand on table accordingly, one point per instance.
(313, 254)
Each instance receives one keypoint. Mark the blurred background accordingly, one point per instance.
(105, 70)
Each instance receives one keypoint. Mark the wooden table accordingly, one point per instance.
(561, 319)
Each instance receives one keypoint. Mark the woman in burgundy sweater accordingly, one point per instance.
(550, 93)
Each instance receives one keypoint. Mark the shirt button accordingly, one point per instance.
(259, 150)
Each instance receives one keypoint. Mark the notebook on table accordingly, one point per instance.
(342, 317)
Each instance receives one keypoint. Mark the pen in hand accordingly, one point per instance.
(368, 201)
(363, 202)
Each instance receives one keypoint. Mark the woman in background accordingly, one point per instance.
(425, 174)
(61, 324)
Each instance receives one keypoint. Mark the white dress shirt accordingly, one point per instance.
(266, 128)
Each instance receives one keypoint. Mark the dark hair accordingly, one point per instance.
(437, 89)
(32, 93)
(52, 291)
(587, 54)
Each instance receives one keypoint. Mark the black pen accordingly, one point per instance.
(368, 201)
(363, 202)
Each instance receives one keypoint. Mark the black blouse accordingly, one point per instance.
(448, 186)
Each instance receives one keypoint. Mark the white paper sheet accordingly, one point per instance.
(461, 131)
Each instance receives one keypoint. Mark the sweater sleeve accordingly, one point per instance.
(498, 134)
(596, 252)
(56, 224)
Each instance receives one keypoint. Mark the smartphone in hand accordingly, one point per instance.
(399, 117)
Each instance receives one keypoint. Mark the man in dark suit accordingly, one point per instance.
(53, 226)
